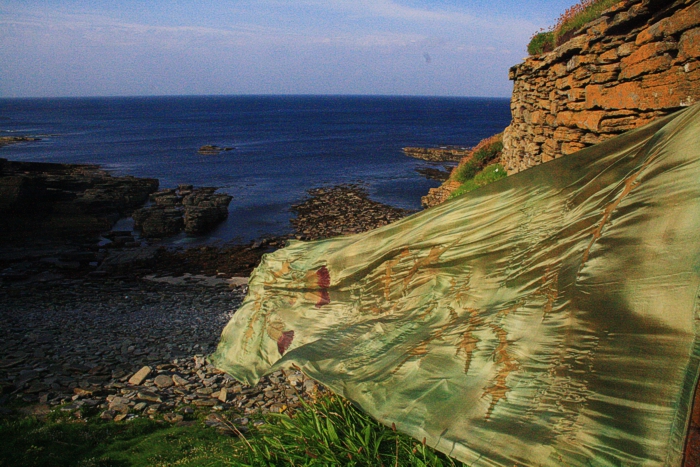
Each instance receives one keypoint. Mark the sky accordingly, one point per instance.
(66, 48)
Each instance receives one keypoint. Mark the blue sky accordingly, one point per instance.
(389, 47)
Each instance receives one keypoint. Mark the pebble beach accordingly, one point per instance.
(128, 336)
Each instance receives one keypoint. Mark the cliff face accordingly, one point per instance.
(639, 61)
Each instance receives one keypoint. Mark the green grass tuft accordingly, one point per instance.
(577, 21)
(541, 42)
(333, 432)
(468, 170)
(330, 431)
(573, 19)
(490, 174)
(139, 442)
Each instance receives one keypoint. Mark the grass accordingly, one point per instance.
(541, 42)
(567, 24)
(330, 431)
(490, 174)
(481, 157)
(139, 442)
(480, 167)
(333, 432)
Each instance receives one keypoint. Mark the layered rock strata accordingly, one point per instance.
(441, 154)
(194, 210)
(640, 60)
(42, 200)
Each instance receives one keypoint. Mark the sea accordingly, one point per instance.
(283, 145)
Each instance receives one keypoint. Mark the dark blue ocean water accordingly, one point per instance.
(284, 144)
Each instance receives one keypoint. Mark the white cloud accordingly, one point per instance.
(337, 46)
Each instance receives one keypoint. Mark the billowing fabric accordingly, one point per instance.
(548, 319)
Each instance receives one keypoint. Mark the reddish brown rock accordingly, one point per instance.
(678, 22)
(570, 148)
(640, 60)
(653, 65)
(689, 45)
(648, 51)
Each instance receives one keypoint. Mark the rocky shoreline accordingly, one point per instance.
(341, 210)
(46, 201)
(439, 154)
(124, 331)
(7, 140)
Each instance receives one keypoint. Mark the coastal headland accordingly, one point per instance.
(637, 61)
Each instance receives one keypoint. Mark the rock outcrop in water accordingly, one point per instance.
(210, 149)
(5, 140)
(441, 154)
(43, 200)
(194, 210)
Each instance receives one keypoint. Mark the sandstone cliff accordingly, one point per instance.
(640, 60)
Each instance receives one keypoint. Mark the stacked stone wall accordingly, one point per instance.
(640, 60)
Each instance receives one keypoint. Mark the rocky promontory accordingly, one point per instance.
(194, 210)
(46, 200)
(439, 154)
(341, 210)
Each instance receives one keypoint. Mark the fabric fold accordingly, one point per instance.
(550, 318)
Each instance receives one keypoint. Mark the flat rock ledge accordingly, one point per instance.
(7, 140)
(211, 149)
(51, 201)
(439, 154)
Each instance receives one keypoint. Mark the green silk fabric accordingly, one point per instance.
(548, 319)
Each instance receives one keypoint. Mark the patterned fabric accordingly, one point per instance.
(547, 319)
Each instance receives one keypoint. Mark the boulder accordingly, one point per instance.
(158, 221)
(194, 210)
(206, 214)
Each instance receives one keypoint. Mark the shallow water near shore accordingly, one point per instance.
(283, 145)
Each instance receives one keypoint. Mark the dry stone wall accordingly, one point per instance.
(640, 60)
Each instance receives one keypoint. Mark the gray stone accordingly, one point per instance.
(179, 380)
(172, 418)
(148, 396)
(121, 408)
(140, 376)
(163, 381)
(140, 406)
(204, 402)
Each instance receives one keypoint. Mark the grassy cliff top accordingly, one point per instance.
(567, 24)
